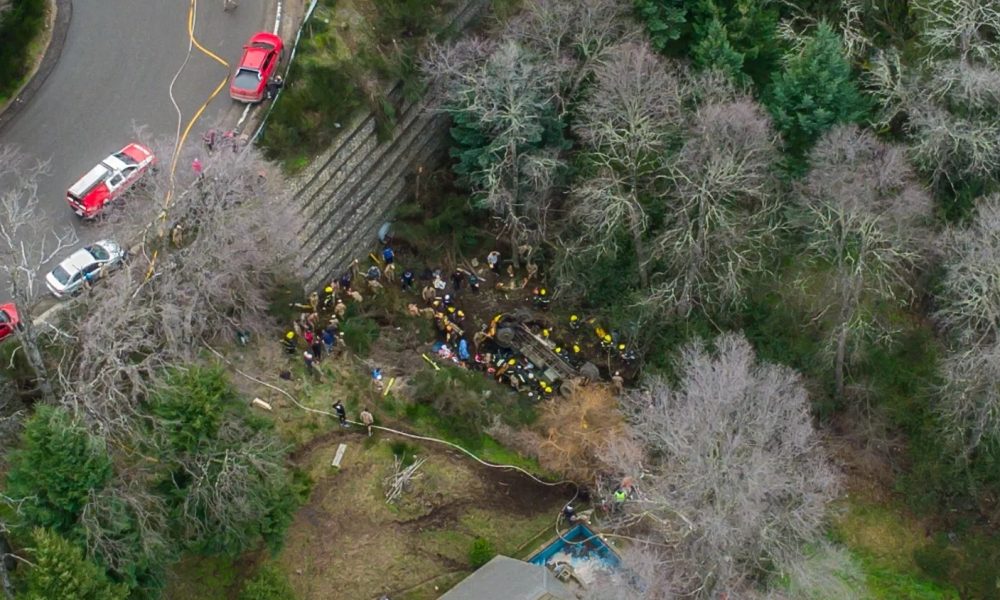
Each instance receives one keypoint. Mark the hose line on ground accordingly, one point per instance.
(576, 486)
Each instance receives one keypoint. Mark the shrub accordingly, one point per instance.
(358, 334)
(270, 583)
(406, 452)
(481, 552)
(457, 398)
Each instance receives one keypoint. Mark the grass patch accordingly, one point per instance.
(19, 28)
(350, 52)
(202, 578)
(890, 549)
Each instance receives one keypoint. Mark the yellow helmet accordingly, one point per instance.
(290, 335)
(558, 349)
(451, 309)
(607, 337)
(542, 292)
(328, 289)
(548, 389)
(574, 318)
(512, 361)
(461, 314)
(576, 348)
(621, 347)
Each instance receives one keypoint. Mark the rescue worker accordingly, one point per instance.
(388, 255)
(619, 382)
(367, 419)
(373, 274)
(428, 294)
(620, 496)
(341, 413)
(314, 301)
(493, 260)
(541, 298)
(329, 298)
(345, 281)
(289, 342)
(406, 281)
(456, 279)
(574, 322)
(627, 355)
(447, 300)
(339, 309)
(606, 342)
(474, 283)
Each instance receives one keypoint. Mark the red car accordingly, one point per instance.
(261, 56)
(8, 320)
(108, 180)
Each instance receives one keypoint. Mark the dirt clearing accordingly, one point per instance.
(346, 542)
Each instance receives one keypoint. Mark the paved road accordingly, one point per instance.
(114, 73)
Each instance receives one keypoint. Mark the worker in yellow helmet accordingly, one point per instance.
(574, 322)
(329, 298)
(289, 343)
(606, 342)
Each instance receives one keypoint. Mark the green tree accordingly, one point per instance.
(61, 572)
(191, 405)
(270, 583)
(666, 21)
(814, 92)
(714, 51)
(744, 28)
(58, 464)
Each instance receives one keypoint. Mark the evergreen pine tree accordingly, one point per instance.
(61, 572)
(55, 469)
(814, 92)
(714, 51)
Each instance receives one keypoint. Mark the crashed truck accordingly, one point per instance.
(511, 331)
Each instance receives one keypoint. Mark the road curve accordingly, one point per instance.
(114, 73)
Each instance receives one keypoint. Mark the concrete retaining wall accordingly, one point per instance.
(353, 187)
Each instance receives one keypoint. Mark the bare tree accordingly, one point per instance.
(506, 91)
(969, 29)
(231, 486)
(735, 480)
(826, 571)
(970, 396)
(575, 36)
(969, 310)
(626, 123)
(863, 216)
(721, 212)
(25, 247)
(643, 575)
(125, 526)
(949, 96)
(227, 236)
(969, 300)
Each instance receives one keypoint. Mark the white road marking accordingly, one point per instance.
(277, 19)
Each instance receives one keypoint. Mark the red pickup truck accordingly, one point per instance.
(109, 179)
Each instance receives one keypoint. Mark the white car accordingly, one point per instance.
(90, 262)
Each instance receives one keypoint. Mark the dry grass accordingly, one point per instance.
(347, 542)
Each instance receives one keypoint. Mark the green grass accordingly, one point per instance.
(888, 545)
(202, 578)
(20, 27)
(349, 53)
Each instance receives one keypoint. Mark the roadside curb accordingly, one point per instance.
(60, 27)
